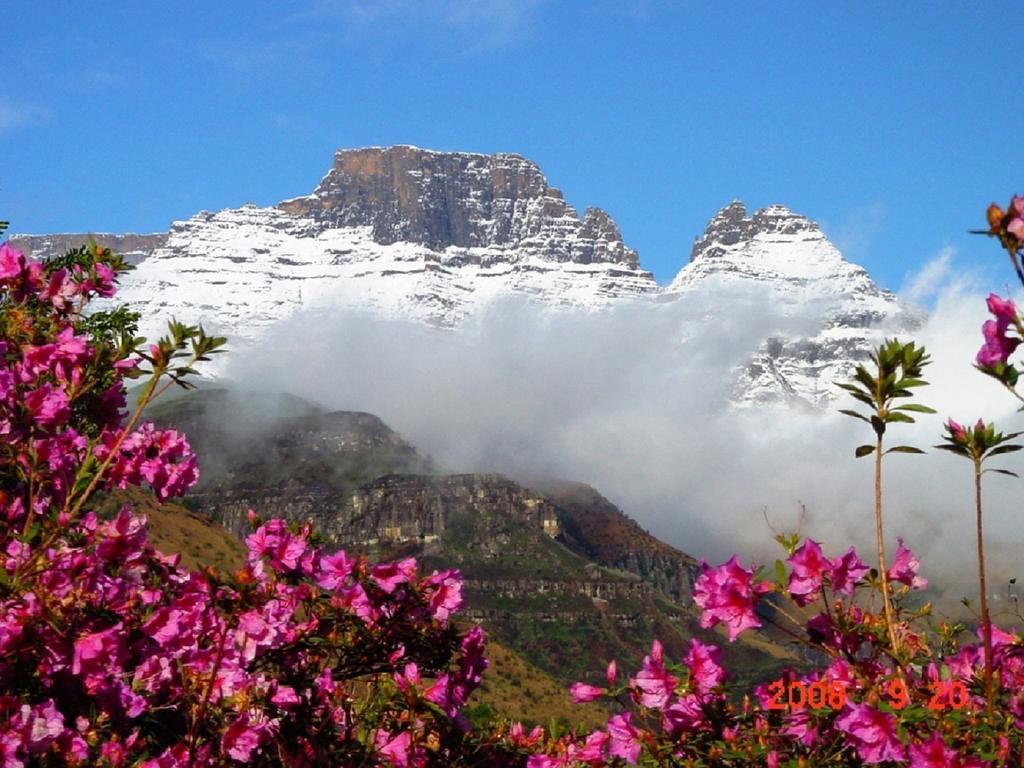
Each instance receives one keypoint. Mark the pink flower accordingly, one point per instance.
(97, 655)
(653, 681)
(48, 406)
(624, 738)
(685, 713)
(244, 736)
(394, 749)
(1003, 309)
(998, 346)
(932, 754)
(703, 660)
(800, 726)
(591, 751)
(445, 590)
(904, 568)
(846, 571)
(41, 726)
(389, 575)
(871, 733)
(333, 570)
(12, 262)
(956, 431)
(728, 594)
(611, 674)
(273, 539)
(582, 693)
(60, 291)
(809, 567)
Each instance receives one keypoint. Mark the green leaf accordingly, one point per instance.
(915, 407)
(780, 573)
(904, 449)
(900, 417)
(959, 450)
(864, 450)
(1003, 449)
(908, 383)
(855, 415)
(879, 425)
(868, 401)
(862, 375)
(1003, 472)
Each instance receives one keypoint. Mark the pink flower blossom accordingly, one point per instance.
(591, 751)
(244, 736)
(998, 346)
(97, 655)
(390, 575)
(445, 590)
(41, 726)
(809, 568)
(611, 673)
(624, 738)
(728, 594)
(333, 570)
(394, 749)
(706, 673)
(932, 753)
(653, 682)
(873, 734)
(582, 693)
(905, 567)
(48, 406)
(683, 714)
(12, 262)
(846, 571)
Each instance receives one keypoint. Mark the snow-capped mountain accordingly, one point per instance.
(401, 231)
(787, 257)
(438, 236)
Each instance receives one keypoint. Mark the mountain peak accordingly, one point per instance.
(458, 199)
(732, 226)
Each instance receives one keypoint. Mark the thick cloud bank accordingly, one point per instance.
(634, 401)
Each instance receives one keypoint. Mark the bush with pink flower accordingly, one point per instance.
(112, 654)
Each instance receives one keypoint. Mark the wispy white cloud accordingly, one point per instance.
(16, 114)
(922, 286)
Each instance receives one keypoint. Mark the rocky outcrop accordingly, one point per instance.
(462, 200)
(135, 248)
(595, 528)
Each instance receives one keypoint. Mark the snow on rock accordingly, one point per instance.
(787, 258)
(404, 232)
(436, 237)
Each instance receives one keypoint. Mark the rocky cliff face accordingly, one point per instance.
(459, 200)
(566, 579)
(786, 259)
(593, 527)
(135, 248)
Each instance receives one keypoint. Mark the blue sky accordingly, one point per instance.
(893, 124)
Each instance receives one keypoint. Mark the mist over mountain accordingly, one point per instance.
(459, 298)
